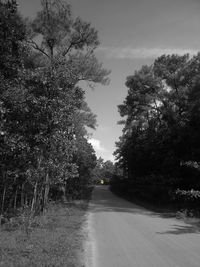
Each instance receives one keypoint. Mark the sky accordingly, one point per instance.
(132, 33)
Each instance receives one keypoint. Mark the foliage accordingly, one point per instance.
(11, 35)
(42, 107)
(188, 200)
(189, 194)
(103, 171)
(55, 238)
(161, 125)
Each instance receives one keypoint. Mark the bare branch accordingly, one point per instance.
(81, 40)
(36, 47)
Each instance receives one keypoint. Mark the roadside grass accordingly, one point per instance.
(53, 239)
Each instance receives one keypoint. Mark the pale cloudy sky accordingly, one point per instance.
(132, 33)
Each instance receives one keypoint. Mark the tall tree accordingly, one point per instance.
(67, 46)
(161, 126)
(42, 105)
(13, 146)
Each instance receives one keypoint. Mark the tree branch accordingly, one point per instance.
(82, 40)
(36, 47)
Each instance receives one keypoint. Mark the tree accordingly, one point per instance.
(160, 113)
(12, 35)
(13, 146)
(43, 111)
(103, 171)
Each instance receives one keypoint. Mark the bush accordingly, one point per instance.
(188, 198)
(150, 188)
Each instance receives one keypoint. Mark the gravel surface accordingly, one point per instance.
(122, 234)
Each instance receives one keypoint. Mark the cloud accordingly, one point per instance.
(97, 145)
(111, 158)
(103, 128)
(142, 53)
(100, 150)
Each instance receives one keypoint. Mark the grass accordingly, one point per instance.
(54, 239)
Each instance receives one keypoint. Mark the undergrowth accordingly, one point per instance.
(52, 239)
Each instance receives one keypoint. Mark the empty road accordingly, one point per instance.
(122, 234)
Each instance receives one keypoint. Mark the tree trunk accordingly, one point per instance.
(63, 190)
(39, 201)
(46, 190)
(15, 199)
(26, 200)
(34, 197)
(3, 200)
(22, 195)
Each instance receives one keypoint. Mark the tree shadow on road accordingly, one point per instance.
(105, 201)
(182, 229)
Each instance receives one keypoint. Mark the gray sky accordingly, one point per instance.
(132, 33)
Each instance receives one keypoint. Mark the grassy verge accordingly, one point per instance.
(54, 239)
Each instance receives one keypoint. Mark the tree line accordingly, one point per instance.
(159, 150)
(103, 171)
(44, 149)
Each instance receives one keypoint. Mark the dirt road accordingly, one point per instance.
(122, 234)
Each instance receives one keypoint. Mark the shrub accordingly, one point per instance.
(189, 199)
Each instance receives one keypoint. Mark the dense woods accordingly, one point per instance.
(159, 150)
(103, 171)
(44, 150)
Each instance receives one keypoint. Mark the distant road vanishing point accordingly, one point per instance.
(122, 234)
